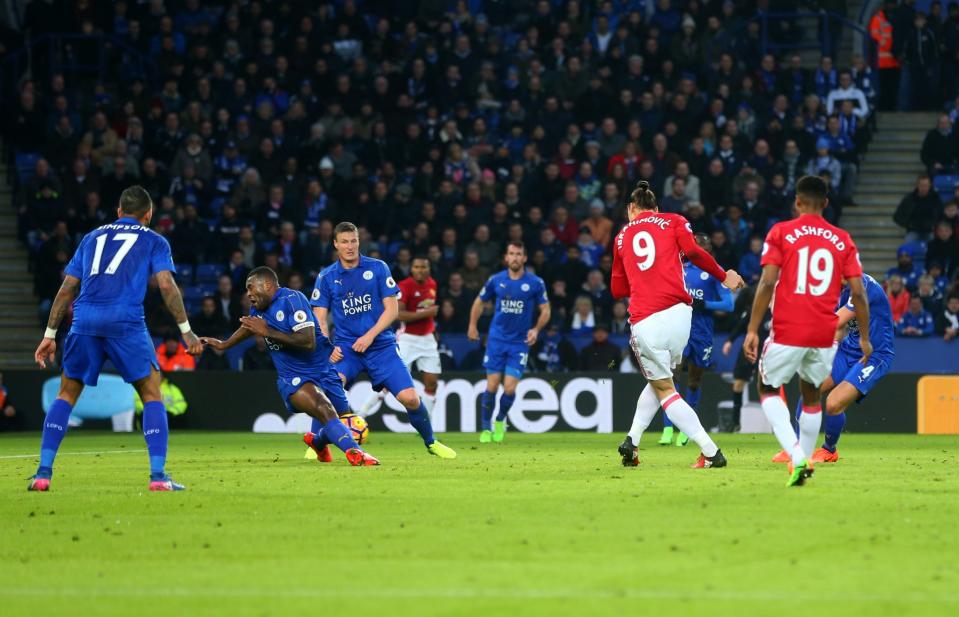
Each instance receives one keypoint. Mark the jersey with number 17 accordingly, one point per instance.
(814, 257)
(114, 263)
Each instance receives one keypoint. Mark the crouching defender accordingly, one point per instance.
(305, 379)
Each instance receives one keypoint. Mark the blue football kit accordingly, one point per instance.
(515, 302)
(702, 286)
(290, 312)
(882, 335)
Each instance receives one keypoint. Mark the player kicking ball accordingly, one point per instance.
(804, 262)
(361, 295)
(110, 270)
(647, 268)
(300, 352)
(708, 295)
(417, 343)
(515, 294)
(851, 380)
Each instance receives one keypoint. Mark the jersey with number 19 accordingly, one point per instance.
(814, 257)
(113, 263)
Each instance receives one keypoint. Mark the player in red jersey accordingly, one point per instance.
(804, 262)
(417, 342)
(648, 269)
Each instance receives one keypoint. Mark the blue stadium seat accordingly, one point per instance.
(193, 293)
(916, 248)
(26, 163)
(184, 273)
(945, 185)
(208, 273)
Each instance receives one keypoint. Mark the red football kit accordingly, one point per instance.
(813, 257)
(415, 297)
(648, 265)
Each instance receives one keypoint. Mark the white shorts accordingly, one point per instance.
(421, 350)
(778, 363)
(659, 340)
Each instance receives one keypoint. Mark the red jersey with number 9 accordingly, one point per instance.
(814, 257)
(648, 266)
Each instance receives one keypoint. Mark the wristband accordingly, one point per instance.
(184, 327)
(50, 333)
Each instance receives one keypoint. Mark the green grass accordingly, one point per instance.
(541, 525)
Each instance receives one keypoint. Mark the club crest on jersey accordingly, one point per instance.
(368, 275)
(524, 287)
(704, 276)
(280, 315)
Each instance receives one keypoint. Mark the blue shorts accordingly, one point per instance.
(383, 365)
(329, 382)
(699, 349)
(846, 367)
(84, 355)
(508, 358)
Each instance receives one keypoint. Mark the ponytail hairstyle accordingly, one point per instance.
(643, 196)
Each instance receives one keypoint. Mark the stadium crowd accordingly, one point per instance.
(446, 132)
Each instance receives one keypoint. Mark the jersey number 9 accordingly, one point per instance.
(644, 249)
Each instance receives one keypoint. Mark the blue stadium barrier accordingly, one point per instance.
(111, 396)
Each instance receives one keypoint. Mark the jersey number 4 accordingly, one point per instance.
(128, 241)
(818, 267)
(644, 249)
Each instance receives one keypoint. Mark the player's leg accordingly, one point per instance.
(777, 364)
(494, 362)
(430, 384)
(427, 360)
(694, 377)
(810, 420)
(646, 407)
(54, 430)
(838, 400)
(510, 381)
(309, 399)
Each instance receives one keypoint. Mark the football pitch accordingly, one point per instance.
(540, 525)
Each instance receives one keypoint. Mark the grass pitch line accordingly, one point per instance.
(92, 453)
(452, 593)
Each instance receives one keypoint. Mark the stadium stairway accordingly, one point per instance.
(812, 54)
(19, 328)
(888, 171)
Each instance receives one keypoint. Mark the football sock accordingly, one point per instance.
(833, 426)
(646, 407)
(505, 402)
(54, 429)
(420, 419)
(692, 397)
(809, 423)
(778, 416)
(737, 407)
(486, 404)
(336, 433)
(315, 426)
(667, 423)
(156, 432)
(429, 401)
(798, 415)
(683, 416)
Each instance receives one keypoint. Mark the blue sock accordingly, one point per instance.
(667, 423)
(336, 433)
(156, 432)
(833, 426)
(486, 405)
(54, 429)
(798, 415)
(692, 397)
(420, 419)
(315, 426)
(505, 403)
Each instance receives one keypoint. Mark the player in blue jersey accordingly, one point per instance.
(708, 294)
(110, 270)
(300, 352)
(360, 295)
(515, 294)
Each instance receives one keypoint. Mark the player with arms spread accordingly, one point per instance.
(648, 269)
(516, 293)
(110, 269)
(804, 263)
(361, 295)
(418, 309)
(300, 352)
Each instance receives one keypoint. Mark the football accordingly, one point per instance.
(357, 426)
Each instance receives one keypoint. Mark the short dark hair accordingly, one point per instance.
(419, 256)
(518, 244)
(262, 273)
(344, 227)
(812, 190)
(136, 201)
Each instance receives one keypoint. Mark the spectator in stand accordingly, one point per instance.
(950, 214)
(881, 31)
(564, 226)
(919, 210)
(210, 322)
(599, 225)
(930, 296)
(584, 319)
(940, 148)
(825, 161)
(473, 274)
(940, 280)
(172, 356)
(898, 297)
(947, 323)
(601, 354)
(228, 305)
(257, 357)
(906, 270)
(749, 266)
(552, 353)
(944, 248)
(676, 200)
(919, 82)
(847, 91)
(916, 322)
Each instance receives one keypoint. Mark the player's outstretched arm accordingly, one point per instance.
(322, 314)
(764, 295)
(174, 303)
(860, 302)
(304, 338)
(408, 316)
(236, 338)
(472, 332)
(48, 346)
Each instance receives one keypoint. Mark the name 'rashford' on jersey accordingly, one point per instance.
(354, 297)
(290, 312)
(514, 304)
(114, 263)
